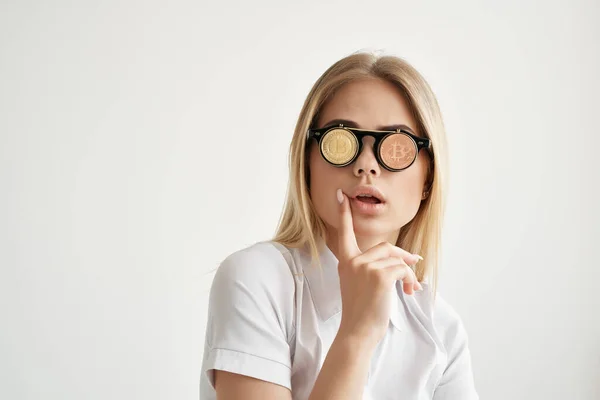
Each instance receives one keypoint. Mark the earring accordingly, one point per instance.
(425, 194)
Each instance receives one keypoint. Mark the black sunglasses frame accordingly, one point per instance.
(420, 143)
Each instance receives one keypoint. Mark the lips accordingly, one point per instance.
(369, 190)
(364, 208)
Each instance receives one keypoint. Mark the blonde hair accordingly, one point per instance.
(300, 226)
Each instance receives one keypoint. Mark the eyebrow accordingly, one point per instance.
(352, 124)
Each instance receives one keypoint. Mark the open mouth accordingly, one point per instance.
(368, 199)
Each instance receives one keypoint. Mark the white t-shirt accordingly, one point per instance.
(273, 317)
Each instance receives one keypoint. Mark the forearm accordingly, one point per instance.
(344, 372)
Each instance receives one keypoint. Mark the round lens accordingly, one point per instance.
(339, 146)
(398, 150)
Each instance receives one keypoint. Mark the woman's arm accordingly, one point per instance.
(343, 376)
(230, 386)
(344, 372)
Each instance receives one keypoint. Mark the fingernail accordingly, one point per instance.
(419, 257)
(340, 196)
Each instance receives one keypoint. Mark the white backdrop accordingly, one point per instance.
(128, 172)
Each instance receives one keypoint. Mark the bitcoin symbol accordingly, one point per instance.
(398, 151)
(339, 146)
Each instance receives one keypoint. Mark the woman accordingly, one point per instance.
(338, 305)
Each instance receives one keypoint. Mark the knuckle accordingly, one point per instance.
(401, 261)
(385, 245)
(389, 248)
(379, 277)
(402, 264)
(371, 265)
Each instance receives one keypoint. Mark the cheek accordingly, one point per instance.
(407, 200)
(408, 188)
(406, 191)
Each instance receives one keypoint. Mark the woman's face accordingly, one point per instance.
(371, 104)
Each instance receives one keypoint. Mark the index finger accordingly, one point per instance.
(347, 245)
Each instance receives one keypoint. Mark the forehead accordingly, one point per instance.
(371, 103)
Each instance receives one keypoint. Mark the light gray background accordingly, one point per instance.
(128, 172)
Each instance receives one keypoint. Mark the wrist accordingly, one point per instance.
(355, 345)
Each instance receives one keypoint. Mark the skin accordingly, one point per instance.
(372, 104)
(356, 240)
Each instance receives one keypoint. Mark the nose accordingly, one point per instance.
(366, 161)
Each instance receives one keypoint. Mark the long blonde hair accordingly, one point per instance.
(299, 225)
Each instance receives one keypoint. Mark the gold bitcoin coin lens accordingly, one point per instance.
(339, 146)
(398, 150)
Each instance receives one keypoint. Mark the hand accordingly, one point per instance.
(367, 280)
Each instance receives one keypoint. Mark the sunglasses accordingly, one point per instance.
(394, 150)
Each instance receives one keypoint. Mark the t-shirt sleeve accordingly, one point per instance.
(457, 380)
(250, 316)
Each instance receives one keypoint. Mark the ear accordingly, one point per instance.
(425, 195)
(428, 182)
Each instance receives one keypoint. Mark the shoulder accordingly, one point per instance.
(444, 312)
(251, 312)
(448, 321)
(260, 264)
(253, 285)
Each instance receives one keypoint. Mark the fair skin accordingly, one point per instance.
(369, 262)
(372, 104)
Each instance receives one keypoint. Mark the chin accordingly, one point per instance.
(366, 227)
